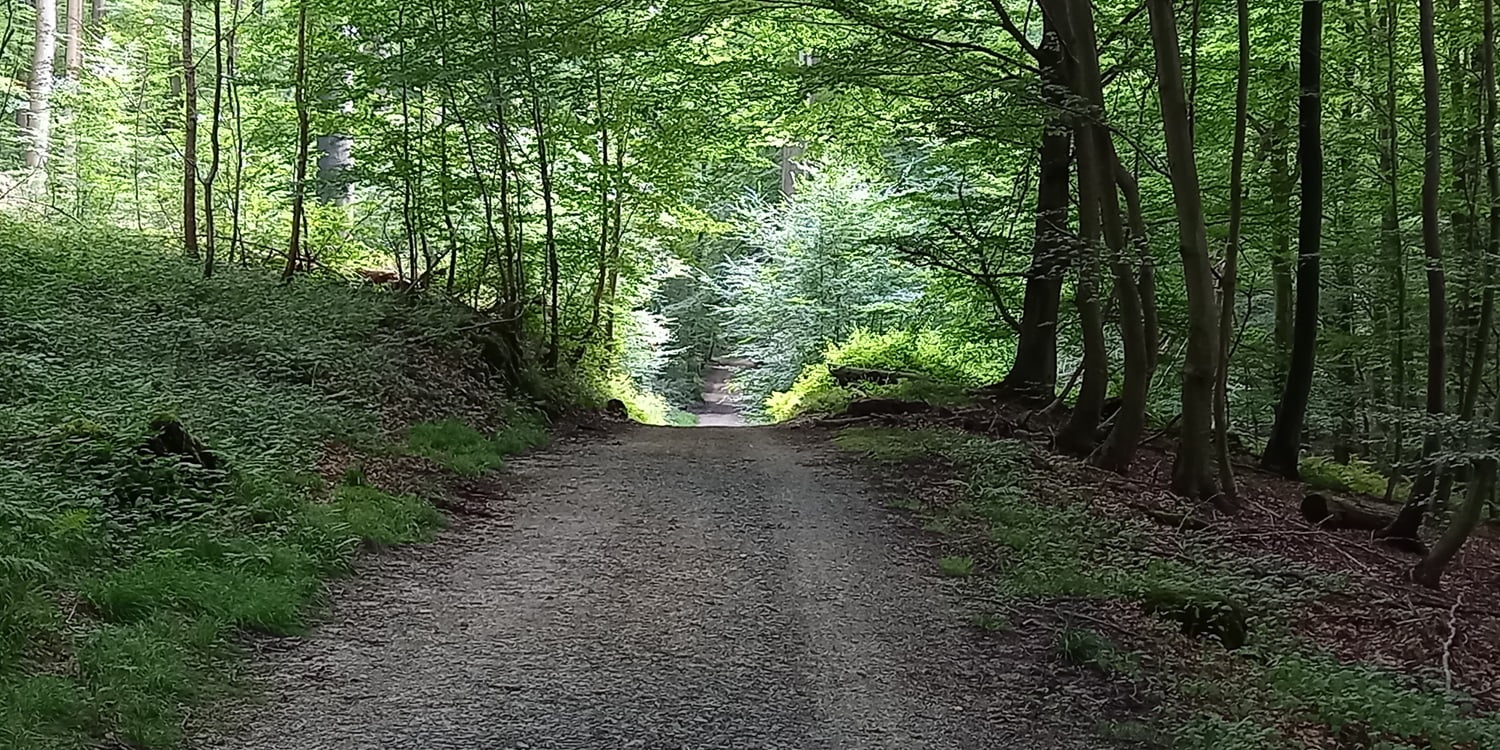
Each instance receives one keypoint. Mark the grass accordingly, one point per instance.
(957, 566)
(127, 576)
(1216, 699)
(464, 450)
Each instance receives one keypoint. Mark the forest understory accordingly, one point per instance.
(1258, 629)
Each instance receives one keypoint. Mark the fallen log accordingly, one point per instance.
(1333, 513)
(872, 407)
(846, 376)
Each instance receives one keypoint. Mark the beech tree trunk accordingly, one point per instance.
(190, 132)
(1408, 523)
(1192, 475)
(299, 167)
(1097, 164)
(215, 150)
(1482, 484)
(1284, 449)
(73, 55)
(1033, 374)
(39, 90)
(1229, 286)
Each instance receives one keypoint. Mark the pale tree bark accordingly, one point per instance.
(1229, 286)
(190, 135)
(1192, 476)
(39, 110)
(73, 54)
(1408, 523)
(98, 9)
(1283, 451)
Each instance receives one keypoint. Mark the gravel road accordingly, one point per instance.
(693, 588)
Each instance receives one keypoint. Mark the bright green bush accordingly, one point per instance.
(1360, 477)
(950, 365)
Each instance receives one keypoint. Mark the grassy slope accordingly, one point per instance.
(1279, 692)
(124, 578)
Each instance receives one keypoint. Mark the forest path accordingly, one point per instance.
(689, 588)
(720, 407)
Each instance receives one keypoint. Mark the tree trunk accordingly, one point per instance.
(1482, 485)
(1033, 374)
(73, 55)
(1408, 522)
(1228, 288)
(1097, 163)
(1284, 450)
(39, 111)
(97, 11)
(1192, 476)
(1283, 260)
(215, 150)
(299, 167)
(1394, 246)
(190, 132)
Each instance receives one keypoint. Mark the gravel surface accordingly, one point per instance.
(709, 588)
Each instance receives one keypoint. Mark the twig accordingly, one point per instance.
(1448, 642)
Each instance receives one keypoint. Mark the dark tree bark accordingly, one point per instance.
(1482, 484)
(1408, 523)
(190, 131)
(1033, 375)
(1283, 451)
(299, 168)
(215, 150)
(1192, 475)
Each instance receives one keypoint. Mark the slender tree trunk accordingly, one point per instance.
(1078, 435)
(1284, 450)
(73, 55)
(1394, 246)
(39, 111)
(1033, 374)
(190, 139)
(97, 12)
(215, 149)
(602, 280)
(1229, 286)
(299, 168)
(1408, 523)
(1097, 164)
(1283, 258)
(549, 220)
(236, 248)
(1482, 484)
(1192, 476)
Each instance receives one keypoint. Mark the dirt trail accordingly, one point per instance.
(662, 589)
(720, 408)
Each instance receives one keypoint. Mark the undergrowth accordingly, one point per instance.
(949, 368)
(1246, 696)
(128, 572)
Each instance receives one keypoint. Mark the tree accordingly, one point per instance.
(73, 56)
(39, 111)
(190, 135)
(1284, 450)
(1228, 286)
(1408, 523)
(1192, 474)
(299, 166)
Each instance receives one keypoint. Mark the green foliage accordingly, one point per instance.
(1084, 647)
(952, 365)
(957, 566)
(1360, 477)
(1066, 549)
(464, 450)
(139, 566)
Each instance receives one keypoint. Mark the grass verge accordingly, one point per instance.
(133, 560)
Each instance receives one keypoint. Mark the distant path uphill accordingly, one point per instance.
(663, 589)
(720, 408)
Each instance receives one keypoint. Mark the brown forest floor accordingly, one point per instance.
(1380, 618)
